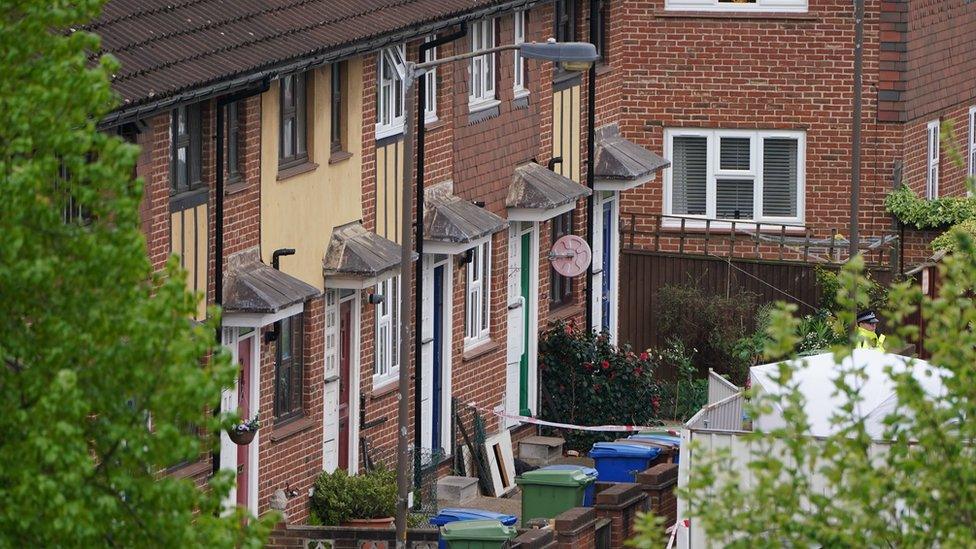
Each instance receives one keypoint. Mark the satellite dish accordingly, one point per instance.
(570, 255)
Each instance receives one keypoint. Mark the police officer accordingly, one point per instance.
(867, 331)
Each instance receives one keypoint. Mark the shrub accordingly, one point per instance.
(709, 324)
(681, 399)
(947, 240)
(827, 288)
(339, 497)
(936, 213)
(586, 380)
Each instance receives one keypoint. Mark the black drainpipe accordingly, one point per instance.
(590, 152)
(219, 217)
(418, 335)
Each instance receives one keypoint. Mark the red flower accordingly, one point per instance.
(596, 388)
(605, 364)
(588, 366)
(568, 329)
(645, 356)
(656, 403)
(638, 371)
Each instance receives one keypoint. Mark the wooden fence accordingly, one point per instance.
(646, 272)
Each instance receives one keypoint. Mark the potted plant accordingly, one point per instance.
(243, 433)
(367, 500)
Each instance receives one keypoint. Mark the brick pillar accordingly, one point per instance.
(659, 483)
(575, 528)
(536, 538)
(620, 503)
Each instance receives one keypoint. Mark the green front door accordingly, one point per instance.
(526, 271)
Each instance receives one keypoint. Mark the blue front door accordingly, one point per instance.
(435, 424)
(607, 264)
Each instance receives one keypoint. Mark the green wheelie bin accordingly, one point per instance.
(477, 534)
(548, 492)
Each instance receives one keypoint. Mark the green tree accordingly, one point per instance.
(101, 370)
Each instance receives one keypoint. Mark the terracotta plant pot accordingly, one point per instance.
(380, 523)
(241, 438)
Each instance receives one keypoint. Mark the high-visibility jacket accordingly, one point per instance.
(869, 340)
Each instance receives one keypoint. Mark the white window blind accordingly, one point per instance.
(932, 173)
(482, 68)
(735, 175)
(796, 6)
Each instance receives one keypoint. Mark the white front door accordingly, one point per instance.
(427, 357)
(516, 321)
(340, 412)
(330, 413)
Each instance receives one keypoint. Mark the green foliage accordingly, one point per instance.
(710, 324)
(937, 213)
(828, 287)
(947, 240)
(586, 380)
(918, 493)
(649, 529)
(681, 399)
(338, 497)
(95, 345)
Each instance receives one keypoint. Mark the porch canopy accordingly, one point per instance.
(453, 225)
(539, 194)
(815, 379)
(621, 164)
(357, 259)
(256, 295)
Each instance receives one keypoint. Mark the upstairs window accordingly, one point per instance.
(389, 92)
(294, 121)
(600, 39)
(520, 69)
(430, 85)
(289, 368)
(233, 140)
(565, 21)
(735, 175)
(185, 149)
(737, 5)
(477, 300)
(932, 164)
(337, 107)
(482, 68)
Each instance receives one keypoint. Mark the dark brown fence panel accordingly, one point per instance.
(644, 273)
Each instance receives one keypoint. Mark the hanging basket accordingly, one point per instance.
(241, 438)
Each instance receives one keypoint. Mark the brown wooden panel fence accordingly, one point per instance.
(643, 273)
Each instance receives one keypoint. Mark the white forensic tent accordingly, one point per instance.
(815, 376)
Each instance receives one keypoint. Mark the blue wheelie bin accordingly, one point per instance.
(446, 516)
(620, 462)
(590, 492)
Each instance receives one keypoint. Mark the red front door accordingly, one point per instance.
(244, 409)
(345, 350)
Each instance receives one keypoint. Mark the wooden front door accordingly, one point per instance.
(244, 409)
(345, 356)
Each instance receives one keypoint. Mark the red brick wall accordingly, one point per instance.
(760, 72)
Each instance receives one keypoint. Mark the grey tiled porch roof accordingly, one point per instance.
(356, 252)
(250, 286)
(623, 160)
(535, 186)
(453, 220)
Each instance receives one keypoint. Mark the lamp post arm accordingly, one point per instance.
(420, 68)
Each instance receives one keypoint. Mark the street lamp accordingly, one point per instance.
(574, 56)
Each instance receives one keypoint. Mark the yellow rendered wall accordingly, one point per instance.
(300, 211)
(566, 131)
(190, 241)
(389, 175)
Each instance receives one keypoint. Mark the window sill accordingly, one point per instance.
(434, 124)
(235, 186)
(562, 80)
(731, 13)
(479, 349)
(384, 388)
(604, 68)
(563, 312)
(339, 156)
(392, 131)
(188, 470)
(292, 171)
(482, 105)
(189, 199)
(291, 428)
(693, 225)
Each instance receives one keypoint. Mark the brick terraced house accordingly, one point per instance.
(273, 156)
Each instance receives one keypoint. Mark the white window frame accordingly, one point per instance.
(793, 6)
(477, 295)
(482, 69)
(755, 172)
(386, 369)
(972, 143)
(389, 118)
(932, 160)
(430, 83)
(520, 26)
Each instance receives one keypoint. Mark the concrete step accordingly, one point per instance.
(540, 451)
(454, 490)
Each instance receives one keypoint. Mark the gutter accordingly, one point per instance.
(235, 84)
